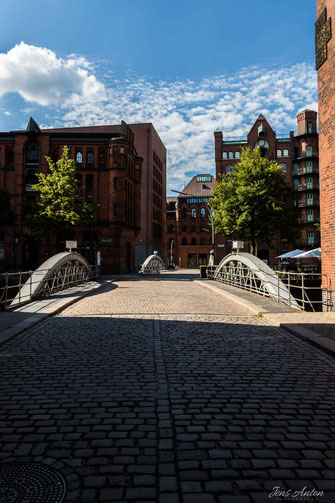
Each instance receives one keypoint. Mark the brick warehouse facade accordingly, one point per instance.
(325, 64)
(153, 192)
(186, 218)
(298, 156)
(109, 172)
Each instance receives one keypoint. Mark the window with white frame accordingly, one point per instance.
(224, 155)
(285, 153)
(231, 155)
(279, 153)
(237, 155)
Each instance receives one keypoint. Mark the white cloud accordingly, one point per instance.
(40, 77)
(185, 113)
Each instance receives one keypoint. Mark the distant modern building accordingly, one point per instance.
(189, 231)
(325, 64)
(109, 173)
(298, 157)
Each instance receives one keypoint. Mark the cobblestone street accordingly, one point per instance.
(164, 391)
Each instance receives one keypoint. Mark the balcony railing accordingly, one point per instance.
(305, 186)
(304, 155)
(304, 204)
(309, 220)
(304, 171)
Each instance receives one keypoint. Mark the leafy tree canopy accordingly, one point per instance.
(253, 203)
(60, 204)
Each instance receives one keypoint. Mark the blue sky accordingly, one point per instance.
(187, 66)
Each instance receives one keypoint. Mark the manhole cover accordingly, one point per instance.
(30, 483)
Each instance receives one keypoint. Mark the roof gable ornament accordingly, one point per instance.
(32, 126)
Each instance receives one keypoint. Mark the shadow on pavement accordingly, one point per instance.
(176, 409)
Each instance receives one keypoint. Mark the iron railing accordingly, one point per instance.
(11, 284)
(304, 288)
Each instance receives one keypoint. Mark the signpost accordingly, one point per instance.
(70, 244)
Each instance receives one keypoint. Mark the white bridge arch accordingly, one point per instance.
(56, 273)
(152, 265)
(246, 271)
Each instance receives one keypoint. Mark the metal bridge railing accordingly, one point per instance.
(305, 288)
(11, 284)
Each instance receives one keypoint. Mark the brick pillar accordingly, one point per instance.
(325, 62)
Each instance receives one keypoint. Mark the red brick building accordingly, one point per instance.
(325, 64)
(189, 236)
(298, 156)
(153, 192)
(109, 172)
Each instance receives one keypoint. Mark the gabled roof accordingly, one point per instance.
(261, 118)
(32, 126)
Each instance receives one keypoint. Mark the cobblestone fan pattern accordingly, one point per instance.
(169, 408)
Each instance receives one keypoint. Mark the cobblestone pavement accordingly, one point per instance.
(217, 407)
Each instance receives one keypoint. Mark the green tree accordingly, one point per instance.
(60, 205)
(253, 203)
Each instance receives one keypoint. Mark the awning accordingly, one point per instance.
(316, 253)
(291, 254)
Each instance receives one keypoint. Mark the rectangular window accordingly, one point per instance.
(309, 183)
(228, 169)
(237, 155)
(115, 182)
(89, 187)
(309, 151)
(295, 168)
(310, 238)
(309, 199)
(204, 178)
(309, 127)
(231, 155)
(310, 215)
(309, 166)
(115, 210)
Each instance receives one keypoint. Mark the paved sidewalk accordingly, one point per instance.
(316, 328)
(16, 321)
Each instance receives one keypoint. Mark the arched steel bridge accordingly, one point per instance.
(57, 273)
(251, 273)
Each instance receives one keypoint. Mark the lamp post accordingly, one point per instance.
(171, 254)
(210, 212)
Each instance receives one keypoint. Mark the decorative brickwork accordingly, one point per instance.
(326, 79)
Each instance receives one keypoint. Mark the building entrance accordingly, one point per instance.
(192, 260)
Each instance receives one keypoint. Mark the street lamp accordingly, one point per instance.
(211, 214)
(171, 254)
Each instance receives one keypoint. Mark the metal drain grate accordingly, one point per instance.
(30, 483)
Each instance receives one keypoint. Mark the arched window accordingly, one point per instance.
(79, 158)
(285, 153)
(202, 213)
(237, 155)
(224, 155)
(193, 241)
(279, 153)
(184, 241)
(202, 241)
(171, 228)
(194, 213)
(90, 158)
(102, 159)
(33, 152)
(231, 155)
(283, 167)
(183, 213)
(10, 159)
